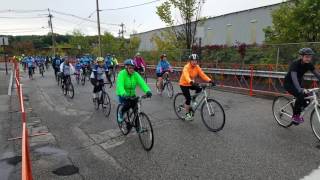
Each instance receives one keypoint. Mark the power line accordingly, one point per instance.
(34, 17)
(21, 11)
(132, 6)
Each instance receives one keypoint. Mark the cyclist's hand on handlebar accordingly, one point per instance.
(149, 94)
(212, 83)
(194, 83)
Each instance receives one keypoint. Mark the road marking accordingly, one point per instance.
(10, 83)
(314, 175)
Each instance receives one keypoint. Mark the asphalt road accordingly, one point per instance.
(251, 145)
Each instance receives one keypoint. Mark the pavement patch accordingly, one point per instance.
(66, 170)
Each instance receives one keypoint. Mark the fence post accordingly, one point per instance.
(278, 54)
(251, 80)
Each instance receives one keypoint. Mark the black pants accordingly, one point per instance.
(300, 101)
(186, 92)
(97, 87)
(127, 104)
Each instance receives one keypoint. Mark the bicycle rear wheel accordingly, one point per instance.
(145, 131)
(282, 111)
(123, 125)
(106, 104)
(315, 123)
(212, 115)
(169, 88)
(178, 105)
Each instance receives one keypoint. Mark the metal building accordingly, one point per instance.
(243, 26)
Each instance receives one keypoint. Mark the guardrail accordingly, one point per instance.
(26, 163)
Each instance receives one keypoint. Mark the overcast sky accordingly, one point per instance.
(141, 18)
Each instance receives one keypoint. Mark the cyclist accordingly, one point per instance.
(56, 64)
(78, 67)
(30, 65)
(163, 67)
(109, 65)
(139, 63)
(187, 81)
(127, 82)
(66, 69)
(96, 76)
(41, 63)
(293, 81)
(115, 62)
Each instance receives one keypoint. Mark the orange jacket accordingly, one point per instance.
(189, 73)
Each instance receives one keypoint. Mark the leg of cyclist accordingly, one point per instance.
(160, 81)
(95, 88)
(108, 78)
(127, 104)
(299, 104)
(186, 92)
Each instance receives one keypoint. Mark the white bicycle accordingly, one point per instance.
(283, 110)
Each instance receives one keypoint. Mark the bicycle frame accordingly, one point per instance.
(204, 99)
(313, 104)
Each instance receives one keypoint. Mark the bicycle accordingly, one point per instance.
(143, 73)
(41, 70)
(30, 73)
(83, 78)
(282, 109)
(104, 100)
(112, 74)
(166, 86)
(67, 87)
(215, 111)
(78, 77)
(140, 121)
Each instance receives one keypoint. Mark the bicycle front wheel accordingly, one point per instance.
(70, 91)
(282, 111)
(83, 79)
(145, 131)
(169, 88)
(178, 105)
(315, 123)
(106, 104)
(212, 115)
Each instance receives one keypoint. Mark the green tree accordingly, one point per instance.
(295, 21)
(189, 11)
(79, 43)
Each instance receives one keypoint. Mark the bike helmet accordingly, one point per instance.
(193, 57)
(306, 51)
(100, 59)
(163, 55)
(128, 62)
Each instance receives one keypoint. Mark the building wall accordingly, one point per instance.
(244, 26)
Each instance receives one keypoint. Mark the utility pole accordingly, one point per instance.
(99, 33)
(122, 31)
(52, 35)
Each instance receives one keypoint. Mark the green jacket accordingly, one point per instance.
(126, 84)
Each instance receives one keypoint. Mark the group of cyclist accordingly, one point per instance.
(129, 78)
(31, 62)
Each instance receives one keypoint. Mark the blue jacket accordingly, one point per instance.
(163, 65)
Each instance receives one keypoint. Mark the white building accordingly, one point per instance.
(243, 26)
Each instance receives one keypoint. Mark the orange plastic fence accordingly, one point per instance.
(26, 163)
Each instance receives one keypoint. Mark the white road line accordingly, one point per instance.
(10, 83)
(314, 175)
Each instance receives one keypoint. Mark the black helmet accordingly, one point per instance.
(193, 57)
(306, 51)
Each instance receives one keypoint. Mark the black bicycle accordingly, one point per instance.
(135, 118)
(83, 77)
(67, 87)
(166, 86)
(103, 99)
(41, 70)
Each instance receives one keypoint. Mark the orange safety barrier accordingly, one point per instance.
(26, 163)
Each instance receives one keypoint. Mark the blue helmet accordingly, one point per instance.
(128, 62)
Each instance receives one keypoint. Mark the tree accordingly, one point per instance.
(295, 21)
(79, 43)
(189, 11)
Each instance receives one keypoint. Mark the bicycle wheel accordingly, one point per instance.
(70, 90)
(106, 104)
(282, 109)
(83, 79)
(178, 105)
(78, 79)
(123, 125)
(145, 131)
(315, 123)
(96, 102)
(212, 115)
(169, 88)
(159, 91)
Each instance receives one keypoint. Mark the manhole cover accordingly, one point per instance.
(66, 170)
(13, 160)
